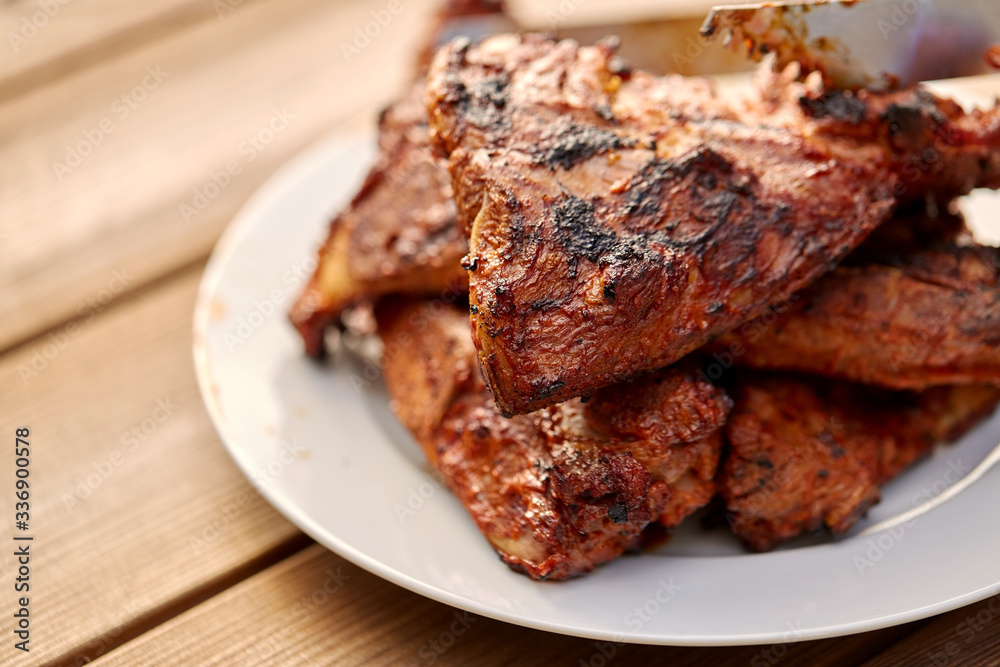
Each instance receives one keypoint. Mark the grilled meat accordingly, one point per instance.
(916, 320)
(910, 230)
(562, 490)
(397, 235)
(618, 220)
(930, 146)
(806, 454)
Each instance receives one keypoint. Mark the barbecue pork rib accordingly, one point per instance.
(562, 490)
(397, 235)
(619, 220)
(810, 453)
(907, 320)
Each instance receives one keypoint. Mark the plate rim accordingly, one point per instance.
(272, 191)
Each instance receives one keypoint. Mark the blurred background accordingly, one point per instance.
(115, 115)
(130, 134)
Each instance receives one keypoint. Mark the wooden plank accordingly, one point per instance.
(136, 508)
(271, 73)
(316, 608)
(121, 206)
(48, 39)
(967, 636)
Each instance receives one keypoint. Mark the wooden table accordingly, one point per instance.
(150, 546)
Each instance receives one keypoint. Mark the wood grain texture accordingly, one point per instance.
(53, 38)
(317, 609)
(135, 503)
(151, 547)
(967, 636)
(221, 84)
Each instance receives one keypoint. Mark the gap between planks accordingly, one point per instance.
(291, 615)
(155, 617)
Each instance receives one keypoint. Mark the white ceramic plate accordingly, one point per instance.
(334, 460)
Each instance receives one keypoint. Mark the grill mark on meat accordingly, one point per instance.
(618, 513)
(565, 488)
(786, 473)
(566, 144)
(546, 388)
(576, 229)
(836, 105)
(743, 204)
(712, 181)
(897, 315)
(483, 102)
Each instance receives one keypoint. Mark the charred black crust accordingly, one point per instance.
(547, 304)
(910, 125)
(603, 110)
(547, 389)
(618, 513)
(576, 229)
(836, 105)
(567, 144)
(904, 121)
(713, 182)
(482, 102)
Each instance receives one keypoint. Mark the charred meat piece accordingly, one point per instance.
(662, 419)
(397, 235)
(916, 320)
(562, 490)
(930, 145)
(913, 229)
(806, 454)
(619, 220)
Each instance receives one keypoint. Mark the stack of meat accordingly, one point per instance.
(664, 296)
